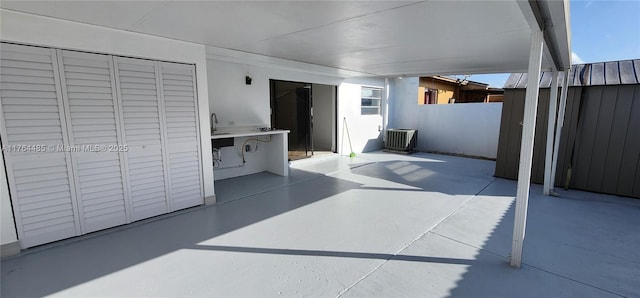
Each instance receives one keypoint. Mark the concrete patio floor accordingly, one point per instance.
(380, 224)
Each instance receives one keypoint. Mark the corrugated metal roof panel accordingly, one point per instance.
(582, 75)
(611, 73)
(513, 79)
(592, 74)
(597, 74)
(627, 74)
(572, 74)
(523, 81)
(546, 78)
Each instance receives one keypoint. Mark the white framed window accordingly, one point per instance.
(371, 101)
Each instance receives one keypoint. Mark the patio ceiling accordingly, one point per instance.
(370, 38)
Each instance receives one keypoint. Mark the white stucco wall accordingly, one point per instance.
(234, 102)
(44, 31)
(365, 130)
(239, 105)
(469, 129)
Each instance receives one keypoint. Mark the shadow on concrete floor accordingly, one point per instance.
(383, 225)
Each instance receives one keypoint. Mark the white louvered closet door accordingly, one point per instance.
(92, 113)
(139, 93)
(40, 178)
(182, 141)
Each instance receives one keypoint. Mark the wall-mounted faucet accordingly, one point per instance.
(214, 121)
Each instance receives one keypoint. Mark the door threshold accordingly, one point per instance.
(300, 155)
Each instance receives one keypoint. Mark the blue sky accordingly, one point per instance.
(601, 30)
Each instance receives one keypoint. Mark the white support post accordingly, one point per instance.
(551, 125)
(385, 110)
(526, 147)
(561, 110)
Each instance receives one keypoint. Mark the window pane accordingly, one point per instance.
(371, 92)
(369, 102)
(370, 111)
(371, 99)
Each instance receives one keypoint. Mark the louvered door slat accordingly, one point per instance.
(42, 198)
(86, 102)
(91, 103)
(139, 98)
(183, 144)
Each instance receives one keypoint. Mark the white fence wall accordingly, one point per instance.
(468, 128)
(403, 105)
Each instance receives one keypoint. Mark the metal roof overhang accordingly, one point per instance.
(552, 17)
(342, 38)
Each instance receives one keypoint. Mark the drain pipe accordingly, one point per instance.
(385, 110)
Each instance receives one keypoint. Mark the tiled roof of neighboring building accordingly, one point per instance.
(591, 74)
(453, 79)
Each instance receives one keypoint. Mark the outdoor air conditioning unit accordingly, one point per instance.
(404, 140)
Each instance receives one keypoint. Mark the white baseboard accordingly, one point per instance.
(9, 249)
(210, 200)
